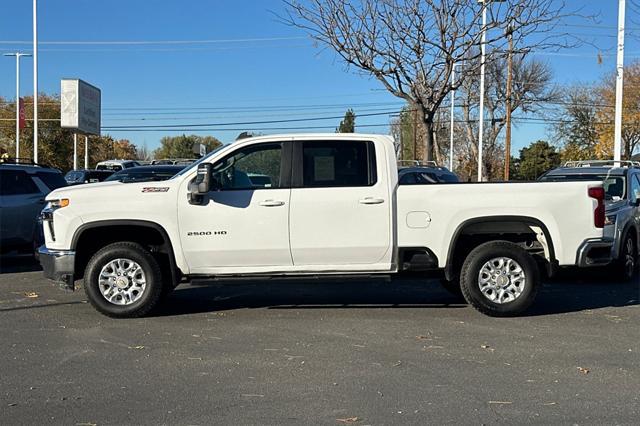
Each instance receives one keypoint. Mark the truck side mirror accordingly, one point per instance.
(201, 185)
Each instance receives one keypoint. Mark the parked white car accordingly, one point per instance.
(116, 165)
(332, 205)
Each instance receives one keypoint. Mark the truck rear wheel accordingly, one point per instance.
(123, 280)
(499, 278)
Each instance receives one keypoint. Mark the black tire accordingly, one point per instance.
(481, 255)
(453, 287)
(624, 268)
(153, 276)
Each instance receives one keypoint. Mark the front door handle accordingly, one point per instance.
(371, 200)
(271, 203)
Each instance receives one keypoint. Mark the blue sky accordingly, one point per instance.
(252, 67)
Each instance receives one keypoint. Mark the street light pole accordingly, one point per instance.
(507, 136)
(481, 108)
(18, 55)
(453, 98)
(617, 138)
(35, 81)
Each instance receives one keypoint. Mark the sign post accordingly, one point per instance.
(80, 110)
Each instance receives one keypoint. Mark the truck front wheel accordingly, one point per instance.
(499, 278)
(123, 280)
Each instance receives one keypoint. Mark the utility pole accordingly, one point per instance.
(75, 151)
(481, 109)
(18, 55)
(453, 98)
(617, 138)
(415, 135)
(86, 152)
(35, 81)
(507, 137)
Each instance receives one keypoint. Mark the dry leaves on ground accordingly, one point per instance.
(348, 420)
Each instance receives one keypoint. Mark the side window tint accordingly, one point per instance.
(254, 167)
(635, 187)
(408, 179)
(16, 182)
(52, 180)
(338, 164)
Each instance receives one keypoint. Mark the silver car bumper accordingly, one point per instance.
(594, 252)
(58, 265)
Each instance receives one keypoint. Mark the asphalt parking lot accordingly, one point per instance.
(278, 352)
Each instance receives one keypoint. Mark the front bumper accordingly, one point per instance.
(594, 252)
(58, 265)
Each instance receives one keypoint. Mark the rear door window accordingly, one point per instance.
(338, 164)
(16, 182)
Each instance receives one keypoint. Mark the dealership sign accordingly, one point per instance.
(79, 106)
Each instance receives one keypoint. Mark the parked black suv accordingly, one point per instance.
(414, 173)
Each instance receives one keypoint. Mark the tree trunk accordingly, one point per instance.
(428, 139)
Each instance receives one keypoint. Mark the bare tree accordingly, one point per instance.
(532, 88)
(410, 46)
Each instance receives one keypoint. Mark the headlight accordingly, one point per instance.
(57, 204)
(610, 220)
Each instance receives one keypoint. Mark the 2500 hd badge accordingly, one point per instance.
(204, 233)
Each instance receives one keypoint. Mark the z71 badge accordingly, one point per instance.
(155, 189)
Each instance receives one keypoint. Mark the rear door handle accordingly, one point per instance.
(371, 200)
(271, 203)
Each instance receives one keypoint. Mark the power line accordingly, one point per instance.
(154, 42)
(291, 120)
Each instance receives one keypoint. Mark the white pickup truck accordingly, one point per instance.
(318, 204)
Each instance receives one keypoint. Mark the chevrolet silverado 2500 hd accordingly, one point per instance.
(325, 204)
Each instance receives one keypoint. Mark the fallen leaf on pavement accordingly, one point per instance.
(583, 370)
(348, 420)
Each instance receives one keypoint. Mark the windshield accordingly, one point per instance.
(195, 164)
(73, 176)
(614, 186)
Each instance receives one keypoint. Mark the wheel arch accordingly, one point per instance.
(511, 224)
(629, 228)
(153, 234)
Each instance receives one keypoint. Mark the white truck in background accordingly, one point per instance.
(325, 204)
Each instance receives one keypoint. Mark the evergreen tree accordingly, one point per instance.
(348, 123)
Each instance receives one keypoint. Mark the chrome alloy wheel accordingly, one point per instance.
(629, 258)
(501, 280)
(122, 281)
